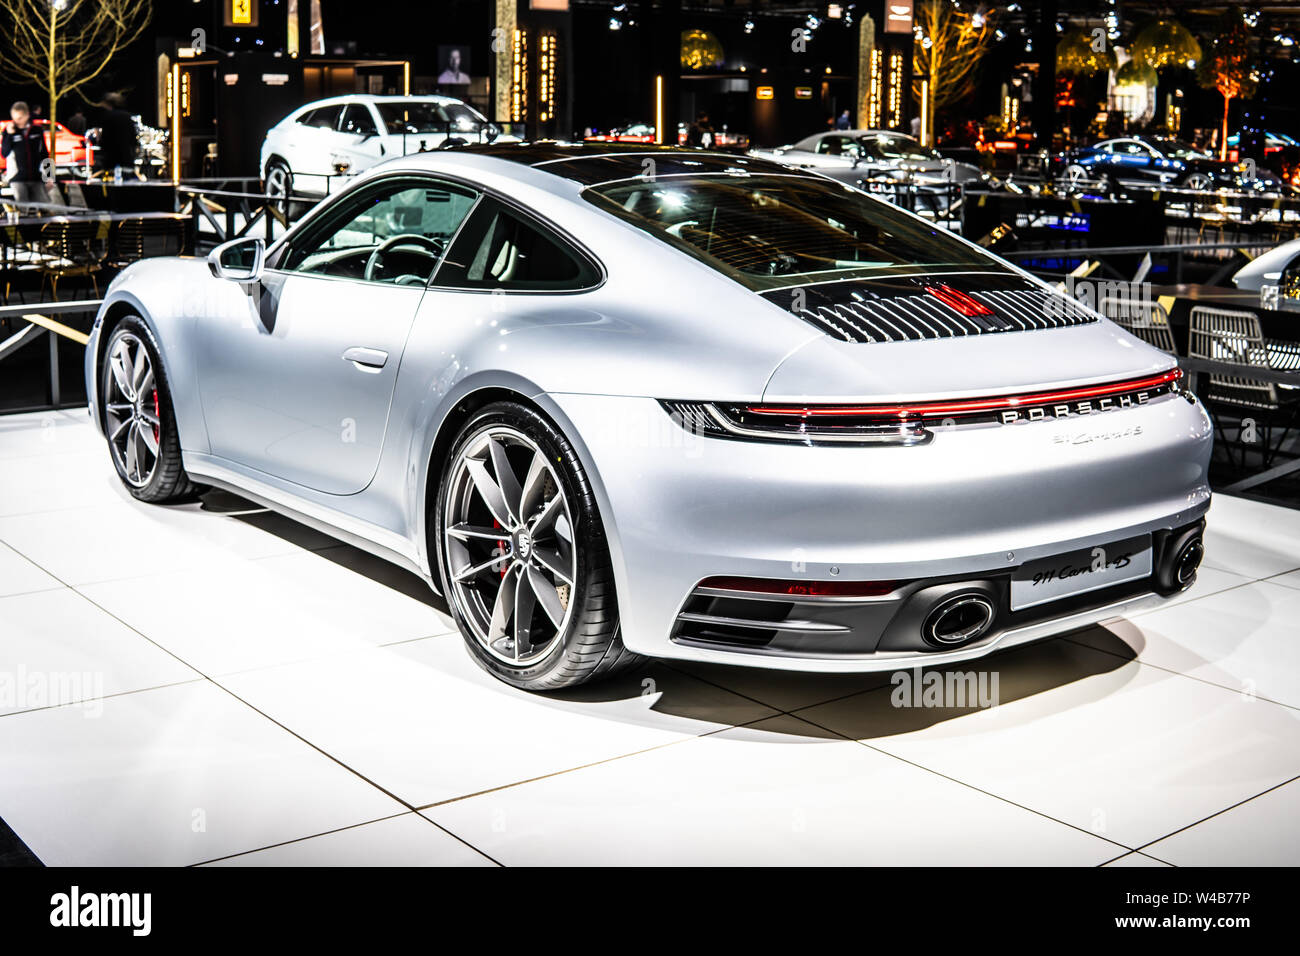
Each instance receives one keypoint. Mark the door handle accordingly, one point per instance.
(366, 360)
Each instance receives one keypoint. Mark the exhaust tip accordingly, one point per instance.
(958, 620)
(1187, 561)
(1178, 571)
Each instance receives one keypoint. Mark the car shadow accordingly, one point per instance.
(887, 704)
(866, 706)
(345, 555)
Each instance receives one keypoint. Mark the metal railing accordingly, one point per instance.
(1179, 253)
(35, 322)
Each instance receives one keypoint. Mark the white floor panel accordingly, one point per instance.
(1264, 831)
(1252, 538)
(46, 434)
(58, 648)
(129, 539)
(171, 776)
(426, 723)
(406, 840)
(774, 793)
(1115, 747)
(241, 615)
(260, 694)
(1246, 640)
(20, 576)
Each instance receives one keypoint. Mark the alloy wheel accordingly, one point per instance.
(509, 542)
(278, 185)
(133, 418)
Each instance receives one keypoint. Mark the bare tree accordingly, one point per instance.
(948, 49)
(62, 45)
(1228, 67)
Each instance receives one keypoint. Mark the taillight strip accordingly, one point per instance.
(930, 409)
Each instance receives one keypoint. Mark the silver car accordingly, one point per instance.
(853, 155)
(621, 401)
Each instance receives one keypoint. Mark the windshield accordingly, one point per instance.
(1175, 149)
(895, 147)
(424, 116)
(773, 231)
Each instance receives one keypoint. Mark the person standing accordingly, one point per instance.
(844, 121)
(23, 147)
(117, 137)
(700, 133)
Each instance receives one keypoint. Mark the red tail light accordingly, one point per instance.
(942, 409)
(802, 588)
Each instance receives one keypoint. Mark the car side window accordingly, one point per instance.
(357, 120)
(394, 231)
(324, 117)
(502, 249)
(831, 145)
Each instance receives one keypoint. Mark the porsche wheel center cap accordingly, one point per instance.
(523, 545)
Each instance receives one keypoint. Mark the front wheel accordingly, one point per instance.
(522, 554)
(138, 418)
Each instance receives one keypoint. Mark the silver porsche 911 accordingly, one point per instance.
(619, 401)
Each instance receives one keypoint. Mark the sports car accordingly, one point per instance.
(615, 401)
(852, 155)
(1158, 160)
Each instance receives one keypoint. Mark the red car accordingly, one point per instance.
(72, 147)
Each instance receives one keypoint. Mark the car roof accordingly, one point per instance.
(375, 98)
(591, 164)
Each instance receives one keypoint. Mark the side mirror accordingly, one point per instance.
(239, 260)
(492, 132)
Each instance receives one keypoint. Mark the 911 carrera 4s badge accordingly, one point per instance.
(1078, 572)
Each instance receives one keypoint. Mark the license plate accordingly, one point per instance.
(1088, 569)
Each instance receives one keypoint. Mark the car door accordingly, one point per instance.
(315, 140)
(357, 145)
(1131, 160)
(299, 384)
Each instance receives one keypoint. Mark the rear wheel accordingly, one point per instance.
(138, 418)
(1198, 181)
(279, 184)
(522, 554)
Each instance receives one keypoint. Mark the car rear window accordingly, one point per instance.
(774, 231)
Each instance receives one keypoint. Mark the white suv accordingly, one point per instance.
(307, 150)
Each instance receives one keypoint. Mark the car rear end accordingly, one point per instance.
(958, 459)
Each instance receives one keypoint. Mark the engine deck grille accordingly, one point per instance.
(904, 311)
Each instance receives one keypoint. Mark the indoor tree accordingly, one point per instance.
(62, 45)
(949, 45)
(1227, 68)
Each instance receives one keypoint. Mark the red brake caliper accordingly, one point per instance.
(501, 548)
(157, 414)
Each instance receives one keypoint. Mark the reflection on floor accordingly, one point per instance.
(214, 684)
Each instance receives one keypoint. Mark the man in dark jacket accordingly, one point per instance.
(25, 152)
(117, 137)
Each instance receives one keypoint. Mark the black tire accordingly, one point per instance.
(278, 168)
(590, 646)
(168, 482)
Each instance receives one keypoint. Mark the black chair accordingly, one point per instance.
(136, 239)
(71, 249)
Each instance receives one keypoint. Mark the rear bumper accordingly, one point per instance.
(973, 504)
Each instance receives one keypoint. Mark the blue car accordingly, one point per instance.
(1147, 160)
